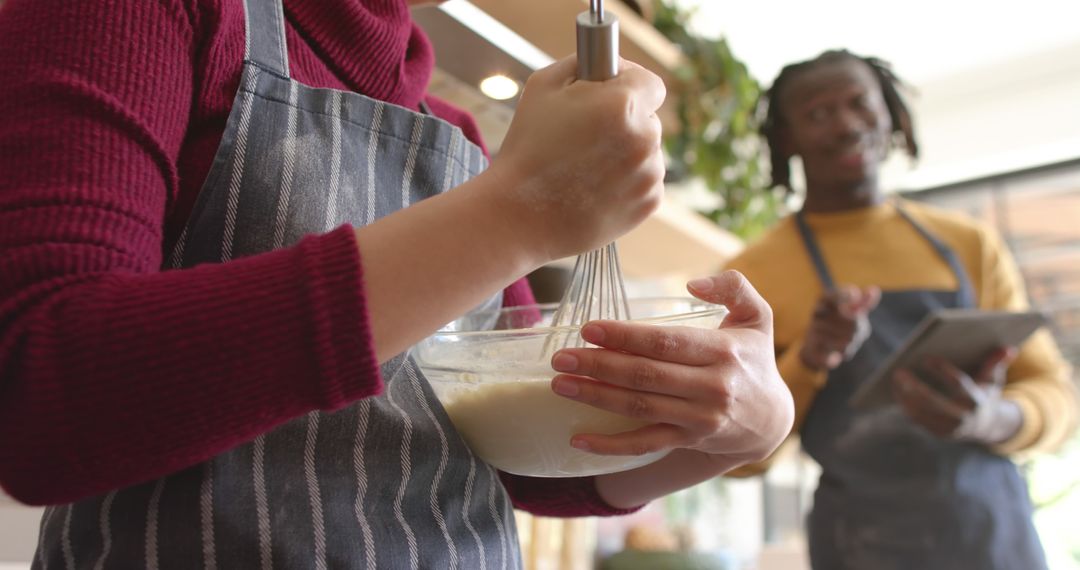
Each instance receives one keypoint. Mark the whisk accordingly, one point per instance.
(597, 289)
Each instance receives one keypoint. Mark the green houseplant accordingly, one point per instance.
(716, 104)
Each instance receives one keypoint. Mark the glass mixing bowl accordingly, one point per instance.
(491, 370)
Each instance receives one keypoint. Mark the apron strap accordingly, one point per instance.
(964, 288)
(814, 251)
(963, 284)
(264, 32)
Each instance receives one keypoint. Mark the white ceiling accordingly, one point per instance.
(996, 84)
(925, 39)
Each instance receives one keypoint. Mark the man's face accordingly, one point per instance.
(836, 120)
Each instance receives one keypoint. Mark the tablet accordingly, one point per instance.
(964, 337)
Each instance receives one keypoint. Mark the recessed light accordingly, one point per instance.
(499, 87)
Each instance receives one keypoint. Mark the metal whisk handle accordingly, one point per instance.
(597, 43)
(597, 290)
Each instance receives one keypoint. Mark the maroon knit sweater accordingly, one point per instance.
(112, 371)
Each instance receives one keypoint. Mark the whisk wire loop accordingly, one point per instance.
(597, 290)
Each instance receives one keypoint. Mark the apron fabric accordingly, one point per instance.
(892, 496)
(384, 483)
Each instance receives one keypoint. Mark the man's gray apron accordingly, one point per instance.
(384, 483)
(891, 494)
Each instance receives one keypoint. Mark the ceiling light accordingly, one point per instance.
(496, 33)
(499, 87)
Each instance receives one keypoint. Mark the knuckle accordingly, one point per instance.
(661, 342)
(725, 353)
(660, 86)
(656, 132)
(592, 366)
(728, 359)
(648, 205)
(618, 108)
(644, 376)
(656, 168)
(588, 394)
(722, 397)
(638, 407)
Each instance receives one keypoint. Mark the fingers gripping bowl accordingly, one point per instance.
(491, 371)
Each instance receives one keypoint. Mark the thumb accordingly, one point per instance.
(732, 289)
(993, 368)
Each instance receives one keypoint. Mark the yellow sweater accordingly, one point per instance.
(876, 246)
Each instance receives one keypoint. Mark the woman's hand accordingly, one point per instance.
(965, 408)
(581, 163)
(713, 391)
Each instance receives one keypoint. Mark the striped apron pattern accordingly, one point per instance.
(384, 483)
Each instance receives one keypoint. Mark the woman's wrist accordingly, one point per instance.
(680, 469)
(503, 193)
(439, 258)
(511, 224)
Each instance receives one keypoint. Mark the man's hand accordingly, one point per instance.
(839, 326)
(969, 409)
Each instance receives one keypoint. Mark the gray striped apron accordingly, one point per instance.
(893, 496)
(384, 483)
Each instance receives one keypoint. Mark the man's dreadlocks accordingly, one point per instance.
(773, 122)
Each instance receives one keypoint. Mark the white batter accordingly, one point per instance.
(524, 428)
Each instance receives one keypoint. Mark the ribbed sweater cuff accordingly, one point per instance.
(346, 349)
(559, 497)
